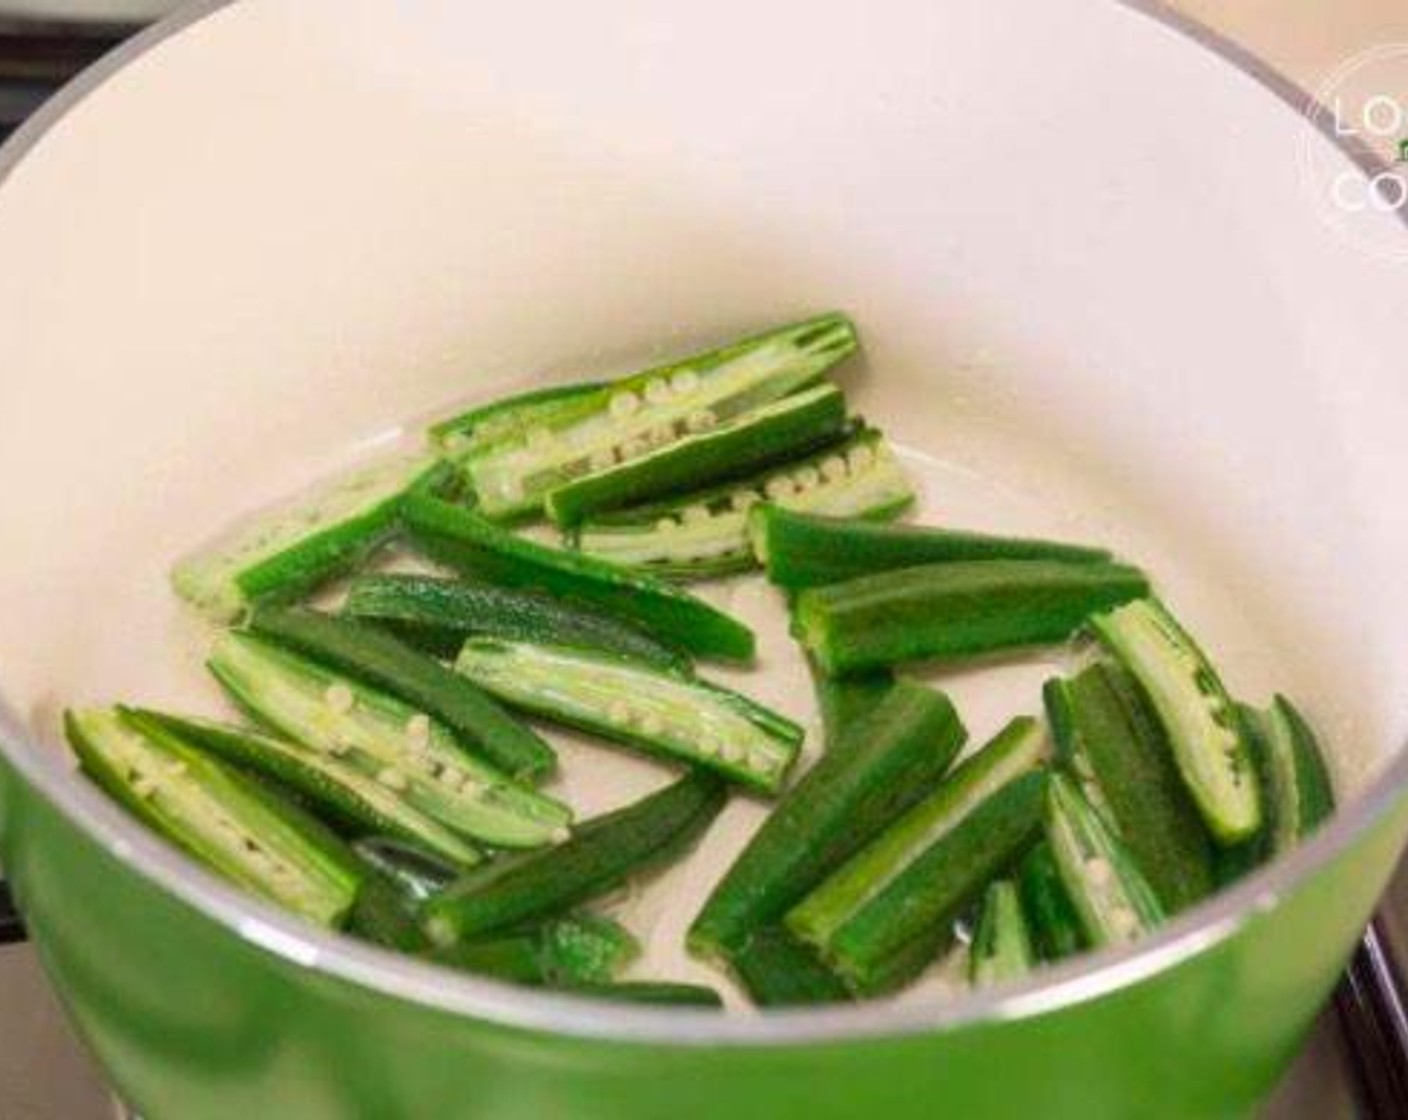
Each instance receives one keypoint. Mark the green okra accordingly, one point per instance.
(890, 758)
(383, 661)
(890, 908)
(466, 541)
(478, 430)
(1002, 943)
(665, 992)
(1113, 900)
(402, 748)
(662, 713)
(215, 814)
(812, 547)
(290, 549)
(624, 418)
(1112, 744)
(843, 700)
(777, 970)
(1204, 730)
(1056, 927)
(705, 533)
(438, 614)
(600, 855)
(792, 426)
(340, 790)
(951, 611)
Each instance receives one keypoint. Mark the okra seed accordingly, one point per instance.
(176, 768)
(618, 712)
(859, 458)
(561, 835)
(700, 420)
(806, 478)
(1123, 919)
(731, 752)
(696, 514)
(339, 698)
(633, 447)
(651, 724)
(418, 729)
(778, 488)
(743, 500)
(451, 776)
(1099, 870)
(710, 747)
(833, 468)
(661, 434)
(624, 404)
(657, 391)
(337, 746)
(540, 439)
(685, 381)
(602, 458)
(392, 778)
(666, 525)
(144, 787)
(510, 489)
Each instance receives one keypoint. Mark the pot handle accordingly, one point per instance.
(1373, 1013)
(11, 925)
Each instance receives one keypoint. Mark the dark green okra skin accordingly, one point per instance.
(565, 952)
(468, 542)
(843, 700)
(666, 992)
(809, 550)
(777, 970)
(601, 854)
(889, 759)
(382, 661)
(1056, 927)
(1107, 735)
(953, 611)
(783, 429)
(897, 933)
(438, 614)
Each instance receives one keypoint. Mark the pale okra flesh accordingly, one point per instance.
(706, 533)
(402, 748)
(663, 713)
(1203, 726)
(791, 426)
(478, 429)
(291, 548)
(1113, 900)
(214, 813)
(630, 416)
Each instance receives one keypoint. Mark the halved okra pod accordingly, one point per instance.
(1112, 744)
(951, 611)
(384, 662)
(344, 792)
(1056, 927)
(438, 614)
(402, 748)
(633, 415)
(777, 970)
(466, 541)
(1002, 943)
(291, 548)
(887, 760)
(1204, 730)
(789, 427)
(810, 547)
(1114, 901)
(705, 533)
(601, 854)
(662, 713)
(217, 815)
(477, 430)
(417, 871)
(884, 915)
(1294, 779)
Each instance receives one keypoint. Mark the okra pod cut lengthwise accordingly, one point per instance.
(626, 418)
(882, 764)
(662, 713)
(950, 611)
(464, 540)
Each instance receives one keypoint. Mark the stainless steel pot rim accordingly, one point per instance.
(404, 978)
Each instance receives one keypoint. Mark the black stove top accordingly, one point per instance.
(37, 56)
